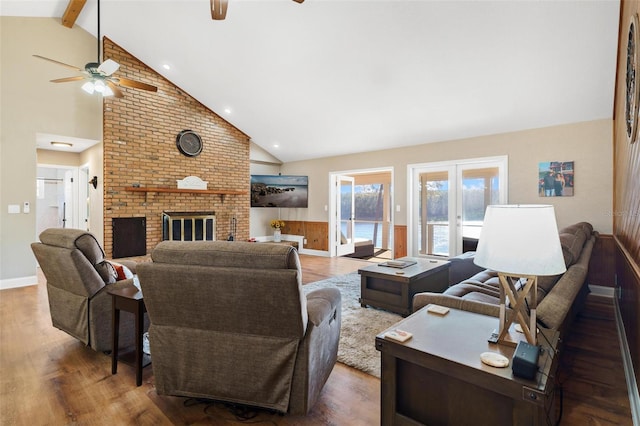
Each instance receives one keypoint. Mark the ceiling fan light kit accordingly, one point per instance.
(99, 75)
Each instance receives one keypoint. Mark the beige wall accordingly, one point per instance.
(30, 104)
(589, 144)
(93, 158)
(262, 163)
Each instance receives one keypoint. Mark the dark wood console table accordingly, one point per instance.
(437, 378)
(128, 299)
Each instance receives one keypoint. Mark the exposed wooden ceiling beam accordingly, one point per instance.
(71, 14)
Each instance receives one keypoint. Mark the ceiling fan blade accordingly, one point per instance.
(218, 9)
(71, 13)
(60, 63)
(298, 1)
(116, 90)
(66, 79)
(108, 67)
(134, 84)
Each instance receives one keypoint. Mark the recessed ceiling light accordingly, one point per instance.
(62, 144)
(166, 66)
(275, 145)
(227, 110)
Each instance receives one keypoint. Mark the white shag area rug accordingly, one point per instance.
(360, 325)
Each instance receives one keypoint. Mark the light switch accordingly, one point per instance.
(398, 207)
(14, 208)
(25, 207)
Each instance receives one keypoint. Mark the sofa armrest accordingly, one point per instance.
(462, 267)
(318, 350)
(323, 305)
(421, 300)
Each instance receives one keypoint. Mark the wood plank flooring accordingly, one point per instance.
(49, 378)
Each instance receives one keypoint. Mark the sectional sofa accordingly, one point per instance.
(560, 297)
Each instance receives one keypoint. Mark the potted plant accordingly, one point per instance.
(277, 225)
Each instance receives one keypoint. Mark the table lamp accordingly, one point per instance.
(520, 242)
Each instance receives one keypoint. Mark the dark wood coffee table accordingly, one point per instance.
(392, 289)
(436, 377)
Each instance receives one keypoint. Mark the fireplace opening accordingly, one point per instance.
(189, 226)
(129, 236)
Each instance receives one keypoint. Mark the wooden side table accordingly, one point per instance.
(128, 299)
(436, 377)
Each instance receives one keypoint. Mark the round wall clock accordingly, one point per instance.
(632, 86)
(189, 143)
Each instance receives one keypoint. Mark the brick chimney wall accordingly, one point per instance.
(139, 139)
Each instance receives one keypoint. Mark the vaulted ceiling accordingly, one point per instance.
(331, 77)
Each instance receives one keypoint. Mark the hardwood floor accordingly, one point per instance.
(49, 378)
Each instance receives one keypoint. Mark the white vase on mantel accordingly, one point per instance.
(277, 235)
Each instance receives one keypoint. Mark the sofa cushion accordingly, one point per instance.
(482, 297)
(572, 246)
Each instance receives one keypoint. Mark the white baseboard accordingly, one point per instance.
(598, 290)
(18, 282)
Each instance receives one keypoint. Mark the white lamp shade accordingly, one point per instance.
(520, 240)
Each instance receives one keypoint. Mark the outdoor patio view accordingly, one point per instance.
(479, 189)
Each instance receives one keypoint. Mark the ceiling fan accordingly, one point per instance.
(99, 76)
(219, 8)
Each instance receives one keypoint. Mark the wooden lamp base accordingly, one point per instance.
(518, 304)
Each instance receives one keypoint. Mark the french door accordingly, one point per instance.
(448, 201)
(345, 215)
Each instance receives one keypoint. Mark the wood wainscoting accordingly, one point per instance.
(399, 241)
(628, 299)
(602, 266)
(316, 233)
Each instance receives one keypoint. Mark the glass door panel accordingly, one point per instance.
(448, 204)
(345, 231)
(434, 215)
(480, 188)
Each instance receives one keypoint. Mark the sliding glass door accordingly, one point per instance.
(448, 201)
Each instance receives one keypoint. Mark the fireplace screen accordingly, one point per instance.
(189, 226)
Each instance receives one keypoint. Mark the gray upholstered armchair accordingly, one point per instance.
(77, 281)
(229, 322)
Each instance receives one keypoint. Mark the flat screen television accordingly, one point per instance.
(279, 191)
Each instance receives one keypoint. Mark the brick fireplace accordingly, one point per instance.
(139, 142)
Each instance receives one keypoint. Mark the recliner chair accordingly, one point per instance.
(78, 277)
(229, 322)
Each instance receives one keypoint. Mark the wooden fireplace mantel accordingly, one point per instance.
(221, 192)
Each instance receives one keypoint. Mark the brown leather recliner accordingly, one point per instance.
(78, 278)
(230, 322)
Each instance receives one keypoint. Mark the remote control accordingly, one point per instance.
(493, 338)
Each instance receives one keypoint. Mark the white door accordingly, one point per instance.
(448, 201)
(345, 215)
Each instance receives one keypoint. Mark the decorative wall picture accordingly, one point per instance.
(279, 191)
(555, 179)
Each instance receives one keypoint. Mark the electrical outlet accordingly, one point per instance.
(304, 241)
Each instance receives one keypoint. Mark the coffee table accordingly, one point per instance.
(436, 377)
(392, 289)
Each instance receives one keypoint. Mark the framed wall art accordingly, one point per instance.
(556, 179)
